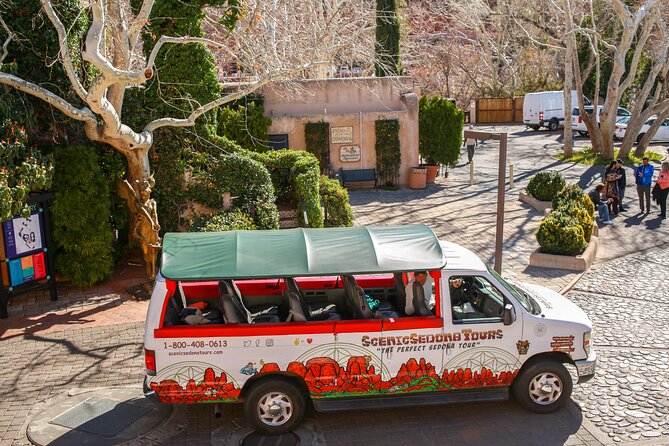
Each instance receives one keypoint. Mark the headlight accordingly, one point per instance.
(587, 337)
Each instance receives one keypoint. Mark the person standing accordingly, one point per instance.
(622, 184)
(643, 176)
(471, 146)
(611, 178)
(663, 182)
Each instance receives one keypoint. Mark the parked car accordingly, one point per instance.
(578, 125)
(546, 109)
(621, 126)
(662, 133)
(281, 319)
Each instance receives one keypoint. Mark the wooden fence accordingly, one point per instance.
(499, 110)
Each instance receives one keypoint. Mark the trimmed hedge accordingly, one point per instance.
(245, 178)
(573, 193)
(545, 186)
(567, 230)
(82, 230)
(561, 233)
(317, 140)
(388, 151)
(295, 176)
(233, 219)
(338, 211)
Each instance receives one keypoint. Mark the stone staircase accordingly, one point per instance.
(288, 216)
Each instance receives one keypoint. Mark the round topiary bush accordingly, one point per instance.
(545, 186)
(572, 193)
(338, 211)
(561, 233)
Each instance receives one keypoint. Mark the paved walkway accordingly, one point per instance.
(93, 338)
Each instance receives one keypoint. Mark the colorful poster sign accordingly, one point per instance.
(23, 235)
(26, 269)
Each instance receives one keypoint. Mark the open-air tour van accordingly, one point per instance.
(347, 318)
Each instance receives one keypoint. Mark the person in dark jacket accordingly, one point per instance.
(601, 205)
(622, 184)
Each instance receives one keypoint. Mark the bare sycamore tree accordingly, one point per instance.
(272, 40)
(561, 22)
(471, 49)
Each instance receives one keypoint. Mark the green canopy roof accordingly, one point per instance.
(299, 252)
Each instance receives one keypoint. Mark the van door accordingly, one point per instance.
(486, 352)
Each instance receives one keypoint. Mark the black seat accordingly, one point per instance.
(400, 294)
(234, 311)
(357, 302)
(419, 305)
(298, 306)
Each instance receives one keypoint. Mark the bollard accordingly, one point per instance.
(471, 173)
(511, 176)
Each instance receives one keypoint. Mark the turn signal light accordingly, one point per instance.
(541, 116)
(150, 361)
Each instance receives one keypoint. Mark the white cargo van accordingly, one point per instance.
(546, 109)
(346, 318)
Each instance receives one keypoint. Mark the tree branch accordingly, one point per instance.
(10, 35)
(64, 49)
(80, 114)
(139, 22)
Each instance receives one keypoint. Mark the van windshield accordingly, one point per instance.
(522, 298)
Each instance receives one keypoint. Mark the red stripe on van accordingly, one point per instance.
(359, 325)
(266, 329)
(412, 323)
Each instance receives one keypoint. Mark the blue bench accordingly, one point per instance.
(357, 176)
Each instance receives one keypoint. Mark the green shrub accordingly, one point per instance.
(338, 211)
(233, 219)
(545, 186)
(317, 139)
(388, 153)
(245, 178)
(82, 230)
(561, 233)
(295, 176)
(585, 220)
(440, 130)
(573, 193)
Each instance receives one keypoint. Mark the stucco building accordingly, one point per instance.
(351, 106)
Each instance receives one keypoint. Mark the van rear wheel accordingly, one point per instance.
(543, 387)
(274, 406)
(553, 125)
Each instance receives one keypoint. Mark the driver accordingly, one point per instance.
(463, 302)
(458, 290)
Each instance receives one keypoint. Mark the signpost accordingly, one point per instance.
(501, 181)
(341, 135)
(26, 260)
(349, 154)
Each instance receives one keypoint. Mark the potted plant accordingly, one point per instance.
(440, 133)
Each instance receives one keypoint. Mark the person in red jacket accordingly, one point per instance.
(663, 182)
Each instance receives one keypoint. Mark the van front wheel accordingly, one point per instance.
(274, 406)
(543, 387)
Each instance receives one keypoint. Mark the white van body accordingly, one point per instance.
(524, 333)
(546, 109)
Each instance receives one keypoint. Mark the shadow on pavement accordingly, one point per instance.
(504, 423)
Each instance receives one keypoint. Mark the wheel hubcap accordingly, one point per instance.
(545, 388)
(275, 408)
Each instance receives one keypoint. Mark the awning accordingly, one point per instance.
(299, 252)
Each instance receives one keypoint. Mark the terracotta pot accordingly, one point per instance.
(417, 177)
(432, 171)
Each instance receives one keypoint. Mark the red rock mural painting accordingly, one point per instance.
(326, 378)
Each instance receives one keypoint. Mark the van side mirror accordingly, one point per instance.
(509, 314)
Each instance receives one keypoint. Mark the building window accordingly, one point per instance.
(277, 142)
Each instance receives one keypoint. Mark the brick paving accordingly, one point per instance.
(93, 338)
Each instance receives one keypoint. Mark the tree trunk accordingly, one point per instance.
(606, 129)
(643, 144)
(136, 191)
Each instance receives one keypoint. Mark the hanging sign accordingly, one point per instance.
(341, 135)
(349, 154)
